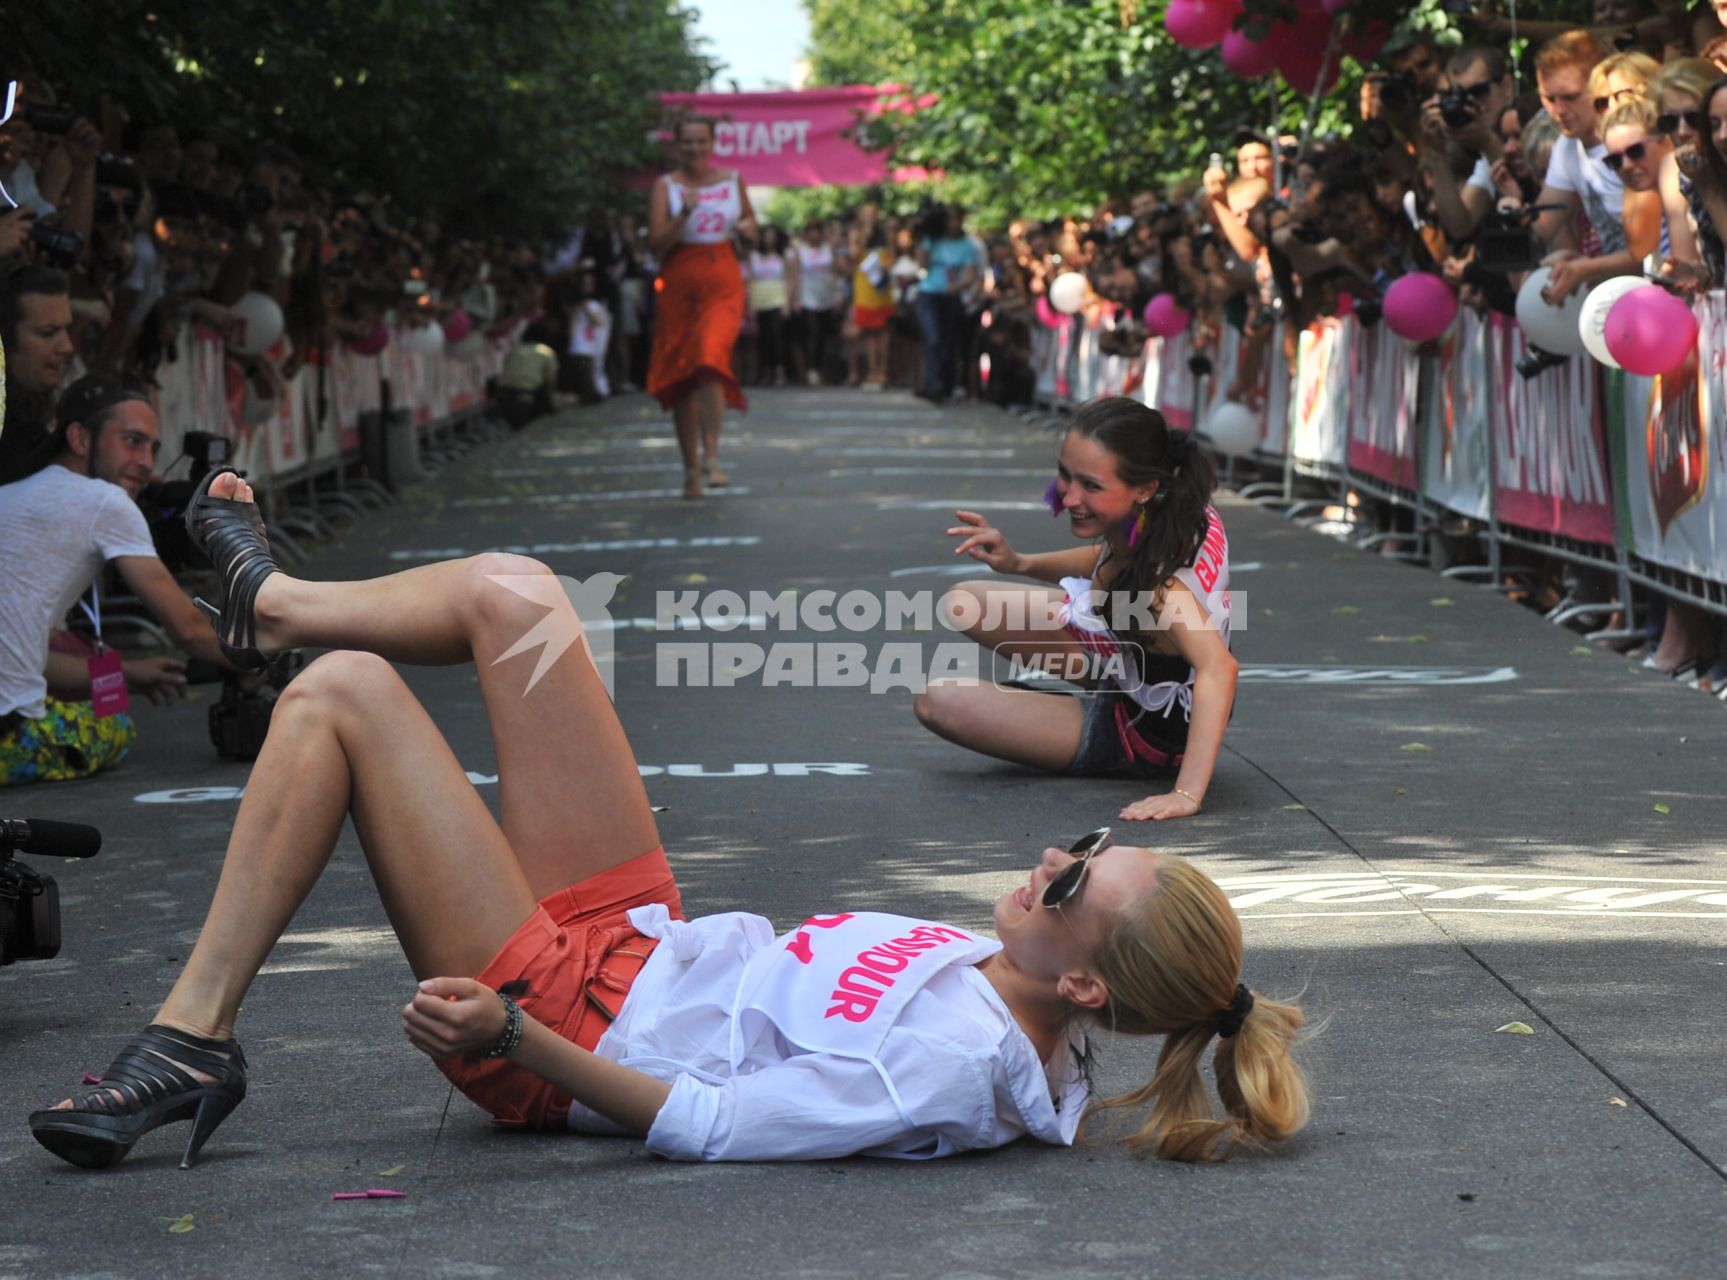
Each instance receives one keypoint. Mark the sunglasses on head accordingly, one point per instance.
(1635, 152)
(1602, 103)
(1668, 122)
(1065, 887)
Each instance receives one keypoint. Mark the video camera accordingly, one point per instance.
(164, 504)
(29, 900)
(240, 718)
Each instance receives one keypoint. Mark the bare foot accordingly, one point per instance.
(270, 602)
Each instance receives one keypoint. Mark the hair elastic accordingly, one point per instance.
(1229, 1020)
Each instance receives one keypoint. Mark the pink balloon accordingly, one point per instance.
(372, 343)
(1419, 306)
(1364, 44)
(457, 326)
(1199, 24)
(1246, 57)
(1302, 50)
(1164, 316)
(1650, 331)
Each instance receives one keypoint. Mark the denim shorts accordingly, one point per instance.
(1101, 753)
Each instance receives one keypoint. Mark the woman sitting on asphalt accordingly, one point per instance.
(561, 985)
(1142, 615)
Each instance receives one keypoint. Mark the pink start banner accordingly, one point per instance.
(797, 138)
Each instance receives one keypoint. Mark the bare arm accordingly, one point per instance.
(746, 219)
(1215, 673)
(450, 1016)
(1678, 214)
(151, 582)
(985, 543)
(1556, 227)
(664, 228)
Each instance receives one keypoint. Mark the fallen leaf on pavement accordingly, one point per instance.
(1440, 602)
(1617, 1102)
(1663, 808)
(182, 1224)
(1296, 808)
(1415, 746)
(1346, 609)
(392, 1171)
(1517, 1029)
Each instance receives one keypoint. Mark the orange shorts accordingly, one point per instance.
(869, 319)
(578, 955)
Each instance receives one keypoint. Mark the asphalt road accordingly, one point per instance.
(1437, 815)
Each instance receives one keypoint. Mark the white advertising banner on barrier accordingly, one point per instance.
(1384, 384)
(1319, 421)
(1675, 429)
(1456, 444)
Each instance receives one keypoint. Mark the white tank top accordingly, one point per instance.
(819, 288)
(718, 208)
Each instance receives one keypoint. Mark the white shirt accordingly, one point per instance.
(59, 528)
(949, 1070)
(1572, 168)
(819, 287)
(719, 205)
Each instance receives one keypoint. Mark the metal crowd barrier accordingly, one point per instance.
(1606, 471)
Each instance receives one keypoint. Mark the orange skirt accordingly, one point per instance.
(701, 308)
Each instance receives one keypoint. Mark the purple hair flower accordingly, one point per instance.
(1052, 498)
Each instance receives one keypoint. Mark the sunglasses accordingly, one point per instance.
(1668, 122)
(1601, 104)
(1065, 887)
(1634, 153)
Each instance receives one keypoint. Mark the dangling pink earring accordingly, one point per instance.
(1052, 498)
(1136, 528)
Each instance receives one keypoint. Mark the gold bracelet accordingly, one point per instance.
(1178, 791)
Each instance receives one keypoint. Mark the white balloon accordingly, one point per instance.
(1233, 428)
(1067, 293)
(1592, 322)
(426, 340)
(1553, 329)
(261, 323)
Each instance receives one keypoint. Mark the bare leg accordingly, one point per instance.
(571, 797)
(711, 402)
(686, 417)
(1011, 724)
(347, 737)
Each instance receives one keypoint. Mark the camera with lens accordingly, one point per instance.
(50, 117)
(1506, 243)
(240, 718)
(61, 248)
(1457, 108)
(164, 504)
(29, 900)
(1535, 362)
(1398, 90)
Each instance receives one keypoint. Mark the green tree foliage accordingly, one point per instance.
(1050, 106)
(491, 116)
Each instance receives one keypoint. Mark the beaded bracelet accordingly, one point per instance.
(512, 1033)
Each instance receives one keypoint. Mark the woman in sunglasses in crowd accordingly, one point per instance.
(561, 985)
(1694, 201)
(1140, 612)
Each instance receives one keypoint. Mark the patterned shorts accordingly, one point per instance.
(69, 742)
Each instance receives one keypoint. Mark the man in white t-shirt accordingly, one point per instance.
(58, 528)
(1577, 177)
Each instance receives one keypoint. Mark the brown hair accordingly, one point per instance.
(683, 122)
(1172, 963)
(1689, 76)
(1569, 49)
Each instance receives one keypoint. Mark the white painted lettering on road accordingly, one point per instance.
(573, 548)
(1271, 673)
(1424, 892)
(778, 769)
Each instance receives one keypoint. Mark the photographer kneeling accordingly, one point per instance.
(62, 715)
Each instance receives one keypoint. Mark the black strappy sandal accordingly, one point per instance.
(232, 534)
(155, 1086)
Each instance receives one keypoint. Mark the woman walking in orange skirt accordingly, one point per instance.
(692, 213)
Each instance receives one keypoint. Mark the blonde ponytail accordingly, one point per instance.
(1171, 965)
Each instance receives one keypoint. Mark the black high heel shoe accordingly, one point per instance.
(232, 535)
(152, 1075)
